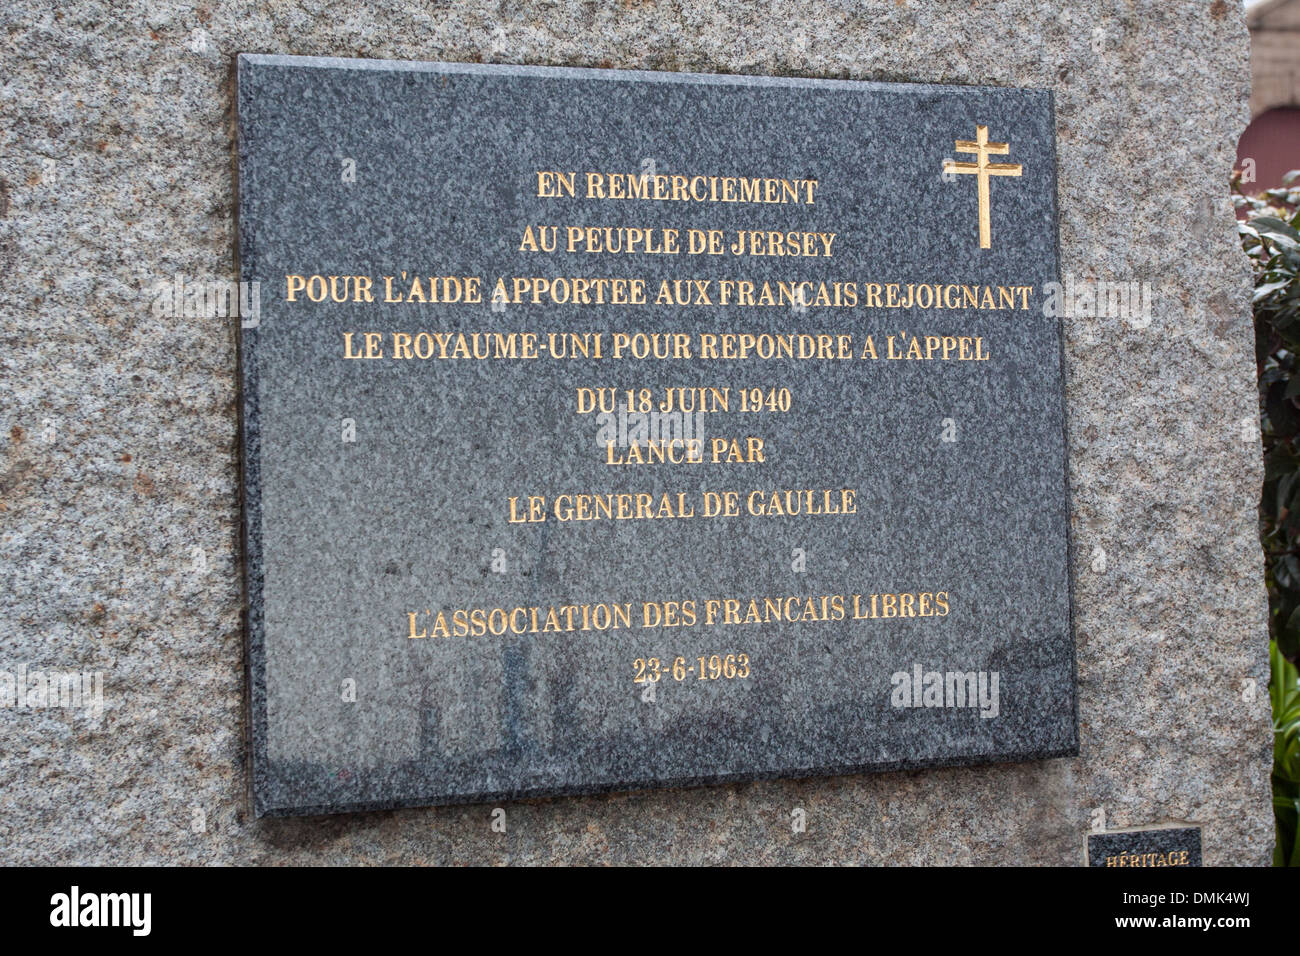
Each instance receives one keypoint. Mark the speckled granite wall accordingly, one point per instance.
(118, 496)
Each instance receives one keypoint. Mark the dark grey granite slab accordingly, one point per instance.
(347, 538)
(1164, 846)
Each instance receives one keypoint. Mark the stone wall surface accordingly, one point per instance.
(119, 516)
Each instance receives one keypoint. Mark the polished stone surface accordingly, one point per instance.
(1167, 846)
(930, 614)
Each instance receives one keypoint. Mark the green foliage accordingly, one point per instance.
(1272, 241)
(1284, 691)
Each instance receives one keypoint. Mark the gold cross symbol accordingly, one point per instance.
(982, 168)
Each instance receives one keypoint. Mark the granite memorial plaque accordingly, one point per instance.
(1161, 846)
(606, 430)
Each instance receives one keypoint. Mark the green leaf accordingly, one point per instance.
(1278, 462)
(1281, 413)
(1276, 228)
(1264, 291)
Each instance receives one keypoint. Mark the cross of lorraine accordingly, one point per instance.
(982, 169)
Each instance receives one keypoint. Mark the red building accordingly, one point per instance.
(1270, 146)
